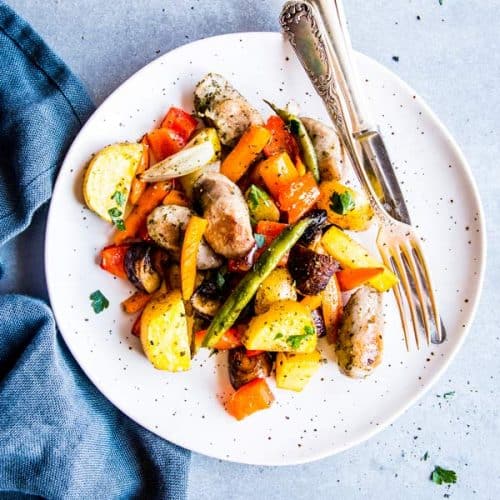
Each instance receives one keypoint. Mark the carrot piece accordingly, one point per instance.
(277, 171)
(250, 398)
(352, 278)
(189, 254)
(136, 302)
(165, 142)
(229, 340)
(298, 197)
(332, 308)
(136, 327)
(180, 122)
(137, 187)
(113, 258)
(312, 302)
(281, 138)
(150, 199)
(176, 197)
(250, 145)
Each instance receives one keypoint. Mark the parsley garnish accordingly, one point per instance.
(260, 239)
(220, 278)
(98, 301)
(116, 218)
(278, 336)
(342, 203)
(296, 340)
(119, 197)
(440, 476)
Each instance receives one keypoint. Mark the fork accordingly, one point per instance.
(317, 31)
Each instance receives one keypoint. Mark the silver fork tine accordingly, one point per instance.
(397, 295)
(428, 284)
(403, 278)
(410, 260)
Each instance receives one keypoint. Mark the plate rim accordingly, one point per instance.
(331, 450)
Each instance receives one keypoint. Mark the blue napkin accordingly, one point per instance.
(59, 437)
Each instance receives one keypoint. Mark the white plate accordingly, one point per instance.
(334, 412)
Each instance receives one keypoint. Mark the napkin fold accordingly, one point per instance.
(59, 436)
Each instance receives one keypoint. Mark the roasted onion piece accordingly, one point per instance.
(140, 269)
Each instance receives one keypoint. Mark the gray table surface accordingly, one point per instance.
(449, 54)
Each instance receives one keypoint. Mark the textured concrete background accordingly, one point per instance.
(449, 54)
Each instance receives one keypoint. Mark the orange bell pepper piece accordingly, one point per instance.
(189, 254)
(312, 302)
(250, 398)
(164, 142)
(281, 138)
(277, 172)
(352, 278)
(298, 197)
(250, 145)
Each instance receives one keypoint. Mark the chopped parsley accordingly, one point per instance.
(440, 476)
(260, 239)
(116, 218)
(342, 203)
(119, 197)
(98, 301)
(278, 336)
(220, 278)
(295, 340)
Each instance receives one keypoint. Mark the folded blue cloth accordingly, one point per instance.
(59, 437)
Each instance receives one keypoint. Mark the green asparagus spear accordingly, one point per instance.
(248, 286)
(297, 128)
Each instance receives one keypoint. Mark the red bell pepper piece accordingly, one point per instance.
(180, 122)
(229, 340)
(281, 138)
(298, 197)
(250, 398)
(113, 258)
(164, 142)
(255, 352)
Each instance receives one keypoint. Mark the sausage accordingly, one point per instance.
(166, 226)
(223, 107)
(360, 344)
(329, 149)
(229, 231)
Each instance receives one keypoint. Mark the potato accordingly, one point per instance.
(277, 286)
(107, 181)
(355, 211)
(293, 371)
(164, 332)
(286, 327)
(352, 255)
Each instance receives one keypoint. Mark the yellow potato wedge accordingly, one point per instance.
(109, 172)
(277, 286)
(352, 255)
(287, 326)
(164, 332)
(357, 218)
(293, 371)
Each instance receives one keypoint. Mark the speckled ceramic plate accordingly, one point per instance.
(334, 412)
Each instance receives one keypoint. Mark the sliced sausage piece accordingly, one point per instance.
(166, 226)
(222, 106)
(329, 149)
(229, 231)
(360, 344)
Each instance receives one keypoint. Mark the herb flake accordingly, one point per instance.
(119, 198)
(260, 239)
(342, 203)
(98, 301)
(443, 476)
(295, 340)
(116, 218)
